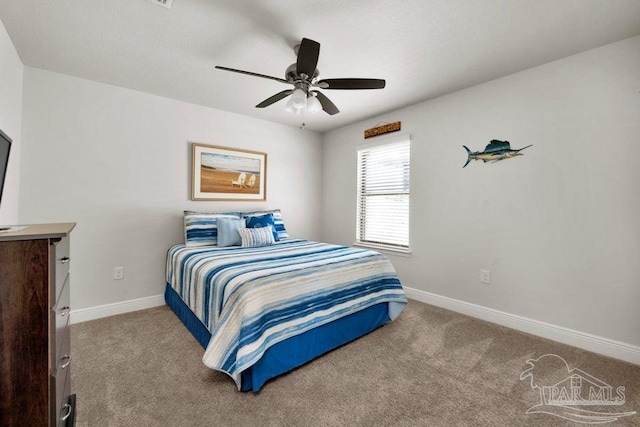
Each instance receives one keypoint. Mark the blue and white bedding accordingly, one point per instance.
(252, 298)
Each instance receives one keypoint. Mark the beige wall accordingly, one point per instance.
(11, 71)
(557, 228)
(117, 162)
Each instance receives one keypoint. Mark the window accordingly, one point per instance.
(383, 195)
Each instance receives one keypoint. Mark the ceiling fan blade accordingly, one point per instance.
(249, 73)
(328, 106)
(308, 54)
(349, 84)
(275, 98)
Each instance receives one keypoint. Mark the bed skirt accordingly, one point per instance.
(295, 351)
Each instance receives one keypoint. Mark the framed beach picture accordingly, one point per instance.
(222, 173)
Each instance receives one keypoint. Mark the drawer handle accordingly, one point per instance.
(65, 260)
(67, 360)
(69, 409)
(64, 311)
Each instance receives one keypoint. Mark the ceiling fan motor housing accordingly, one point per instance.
(291, 75)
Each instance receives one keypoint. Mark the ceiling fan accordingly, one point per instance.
(303, 75)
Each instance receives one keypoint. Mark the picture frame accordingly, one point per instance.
(223, 173)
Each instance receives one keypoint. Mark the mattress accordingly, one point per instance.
(250, 300)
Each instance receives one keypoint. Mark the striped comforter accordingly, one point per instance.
(252, 298)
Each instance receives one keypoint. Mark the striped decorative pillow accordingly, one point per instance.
(251, 237)
(277, 221)
(201, 229)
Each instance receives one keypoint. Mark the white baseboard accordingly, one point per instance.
(616, 349)
(92, 313)
(596, 344)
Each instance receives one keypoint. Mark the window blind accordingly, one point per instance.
(383, 195)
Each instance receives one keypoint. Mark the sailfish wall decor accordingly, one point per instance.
(495, 151)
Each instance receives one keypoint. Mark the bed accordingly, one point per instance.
(262, 311)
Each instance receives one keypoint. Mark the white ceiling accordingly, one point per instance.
(423, 48)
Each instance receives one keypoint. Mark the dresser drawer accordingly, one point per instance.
(68, 412)
(58, 326)
(62, 360)
(60, 263)
(61, 386)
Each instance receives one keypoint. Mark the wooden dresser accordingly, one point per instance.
(35, 350)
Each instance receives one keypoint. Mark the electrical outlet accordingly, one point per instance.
(118, 273)
(485, 276)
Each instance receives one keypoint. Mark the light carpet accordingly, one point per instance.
(430, 367)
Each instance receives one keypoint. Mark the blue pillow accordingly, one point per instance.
(228, 231)
(263, 221)
(277, 219)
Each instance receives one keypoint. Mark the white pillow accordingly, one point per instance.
(252, 237)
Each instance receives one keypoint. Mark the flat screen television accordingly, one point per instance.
(5, 148)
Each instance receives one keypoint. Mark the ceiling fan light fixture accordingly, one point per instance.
(298, 99)
(313, 105)
(291, 108)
